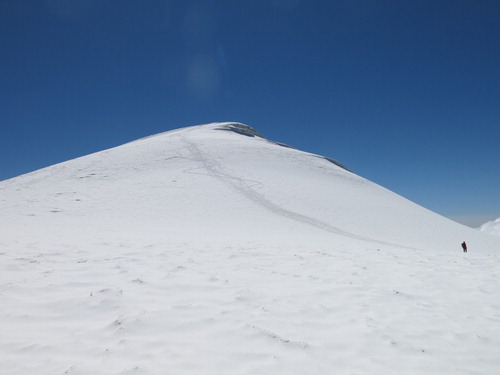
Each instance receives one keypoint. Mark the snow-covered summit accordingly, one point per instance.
(212, 250)
(221, 181)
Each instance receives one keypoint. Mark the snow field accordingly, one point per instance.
(121, 308)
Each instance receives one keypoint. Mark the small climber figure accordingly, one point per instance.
(464, 246)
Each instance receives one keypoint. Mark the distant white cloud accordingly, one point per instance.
(491, 227)
(204, 57)
(203, 77)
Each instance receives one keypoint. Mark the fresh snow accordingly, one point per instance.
(211, 250)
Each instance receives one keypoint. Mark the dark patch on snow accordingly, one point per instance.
(240, 129)
(282, 144)
(247, 131)
(337, 163)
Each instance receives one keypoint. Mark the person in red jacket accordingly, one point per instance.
(464, 246)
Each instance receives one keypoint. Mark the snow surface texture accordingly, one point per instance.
(491, 227)
(203, 251)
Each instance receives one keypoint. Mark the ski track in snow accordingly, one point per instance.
(245, 188)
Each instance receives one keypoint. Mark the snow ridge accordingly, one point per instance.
(243, 129)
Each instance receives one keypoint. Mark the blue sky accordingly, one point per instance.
(405, 93)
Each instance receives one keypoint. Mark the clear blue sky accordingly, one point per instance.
(405, 93)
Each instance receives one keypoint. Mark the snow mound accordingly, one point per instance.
(491, 227)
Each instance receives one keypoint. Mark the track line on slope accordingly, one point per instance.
(242, 186)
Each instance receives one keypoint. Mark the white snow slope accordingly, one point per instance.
(208, 251)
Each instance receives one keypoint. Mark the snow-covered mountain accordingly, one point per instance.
(212, 250)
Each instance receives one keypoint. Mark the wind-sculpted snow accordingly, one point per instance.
(201, 251)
